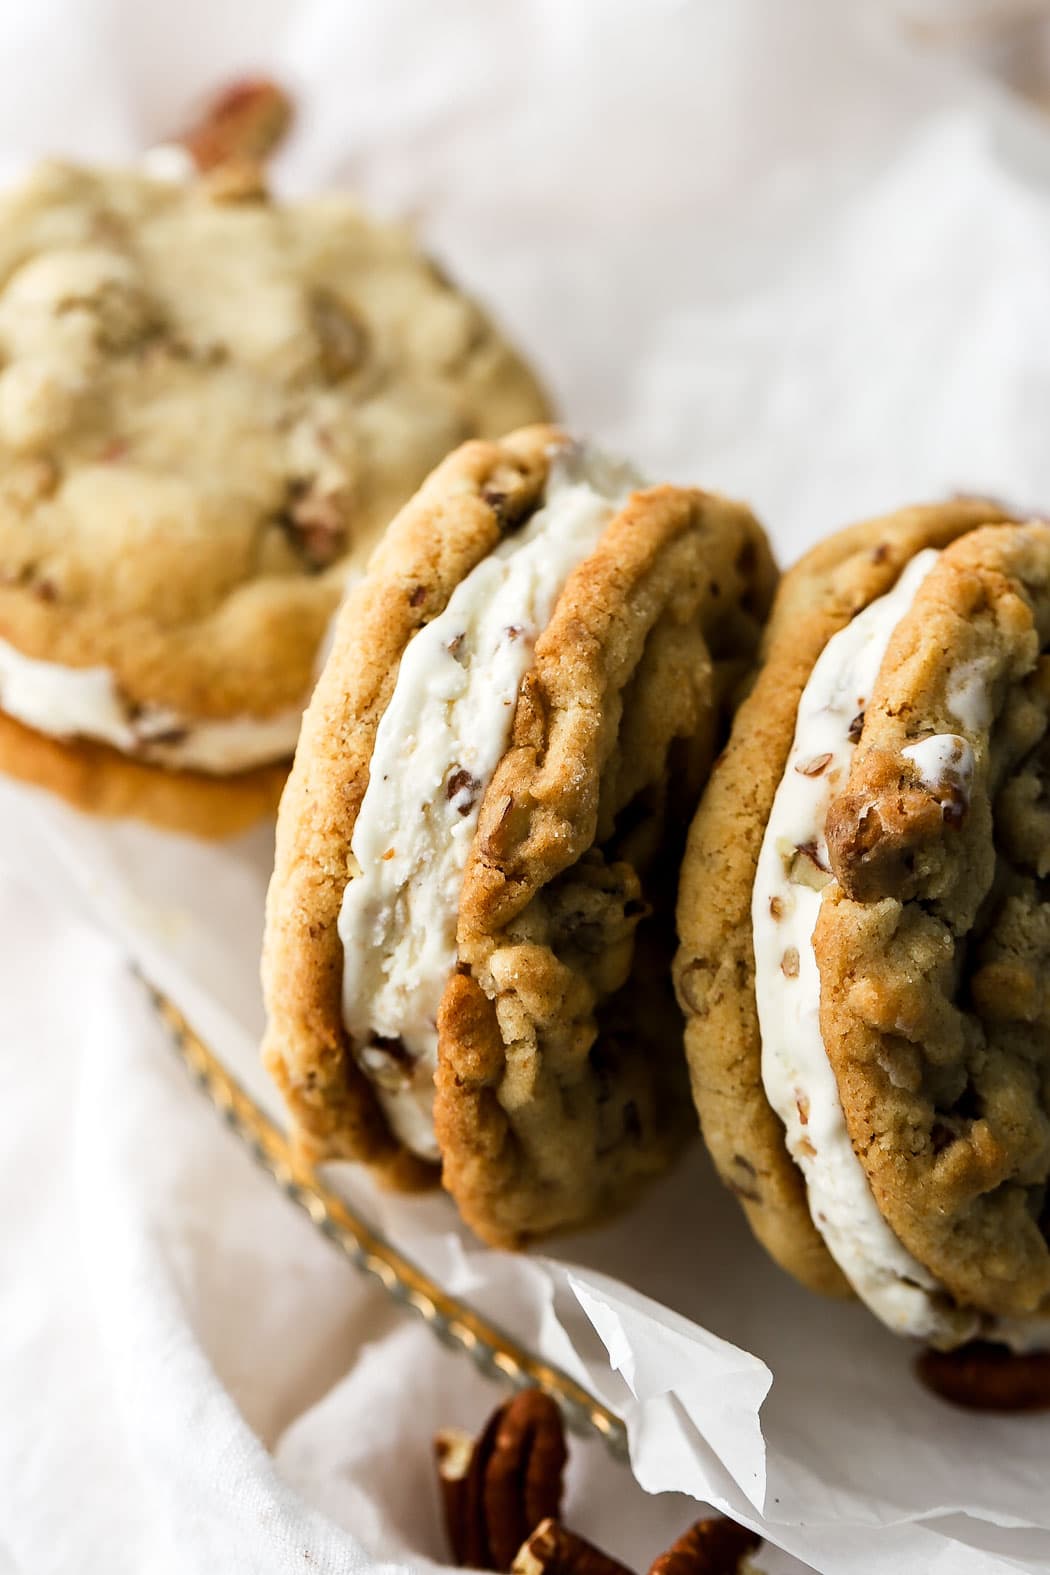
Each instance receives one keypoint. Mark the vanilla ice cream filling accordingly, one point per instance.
(86, 703)
(438, 744)
(793, 869)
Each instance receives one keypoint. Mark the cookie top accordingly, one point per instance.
(545, 1109)
(715, 967)
(476, 497)
(560, 1080)
(210, 406)
(934, 943)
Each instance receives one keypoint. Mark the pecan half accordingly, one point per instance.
(246, 122)
(985, 1377)
(453, 1449)
(553, 1549)
(709, 1547)
(815, 766)
(509, 1481)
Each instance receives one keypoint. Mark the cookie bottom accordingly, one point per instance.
(102, 781)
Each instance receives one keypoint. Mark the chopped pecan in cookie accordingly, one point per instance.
(341, 334)
(316, 522)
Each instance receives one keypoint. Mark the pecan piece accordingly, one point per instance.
(315, 522)
(505, 828)
(453, 1449)
(986, 1377)
(152, 724)
(743, 1181)
(462, 789)
(709, 1547)
(694, 985)
(341, 335)
(245, 123)
(507, 493)
(807, 868)
(873, 845)
(510, 1480)
(553, 1549)
(386, 1062)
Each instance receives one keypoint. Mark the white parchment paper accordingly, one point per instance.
(758, 247)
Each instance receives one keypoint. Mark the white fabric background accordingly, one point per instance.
(192, 1379)
(757, 245)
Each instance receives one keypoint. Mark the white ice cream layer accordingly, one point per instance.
(85, 702)
(943, 759)
(437, 746)
(793, 868)
(969, 698)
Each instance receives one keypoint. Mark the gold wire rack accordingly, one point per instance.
(457, 1325)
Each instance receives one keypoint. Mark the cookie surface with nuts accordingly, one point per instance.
(210, 406)
(934, 941)
(469, 924)
(862, 927)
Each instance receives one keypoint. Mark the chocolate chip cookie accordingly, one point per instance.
(469, 927)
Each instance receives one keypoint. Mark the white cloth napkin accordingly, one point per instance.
(192, 1379)
(758, 246)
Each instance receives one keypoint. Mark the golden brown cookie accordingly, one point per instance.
(469, 925)
(934, 941)
(115, 786)
(853, 656)
(210, 406)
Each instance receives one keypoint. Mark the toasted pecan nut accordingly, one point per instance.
(986, 1377)
(553, 1549)
(710, 1547)
(523, 1477)
(453, 1450)
(342, 336)
(245, 123)
(497, 1489)
(476, 1549)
